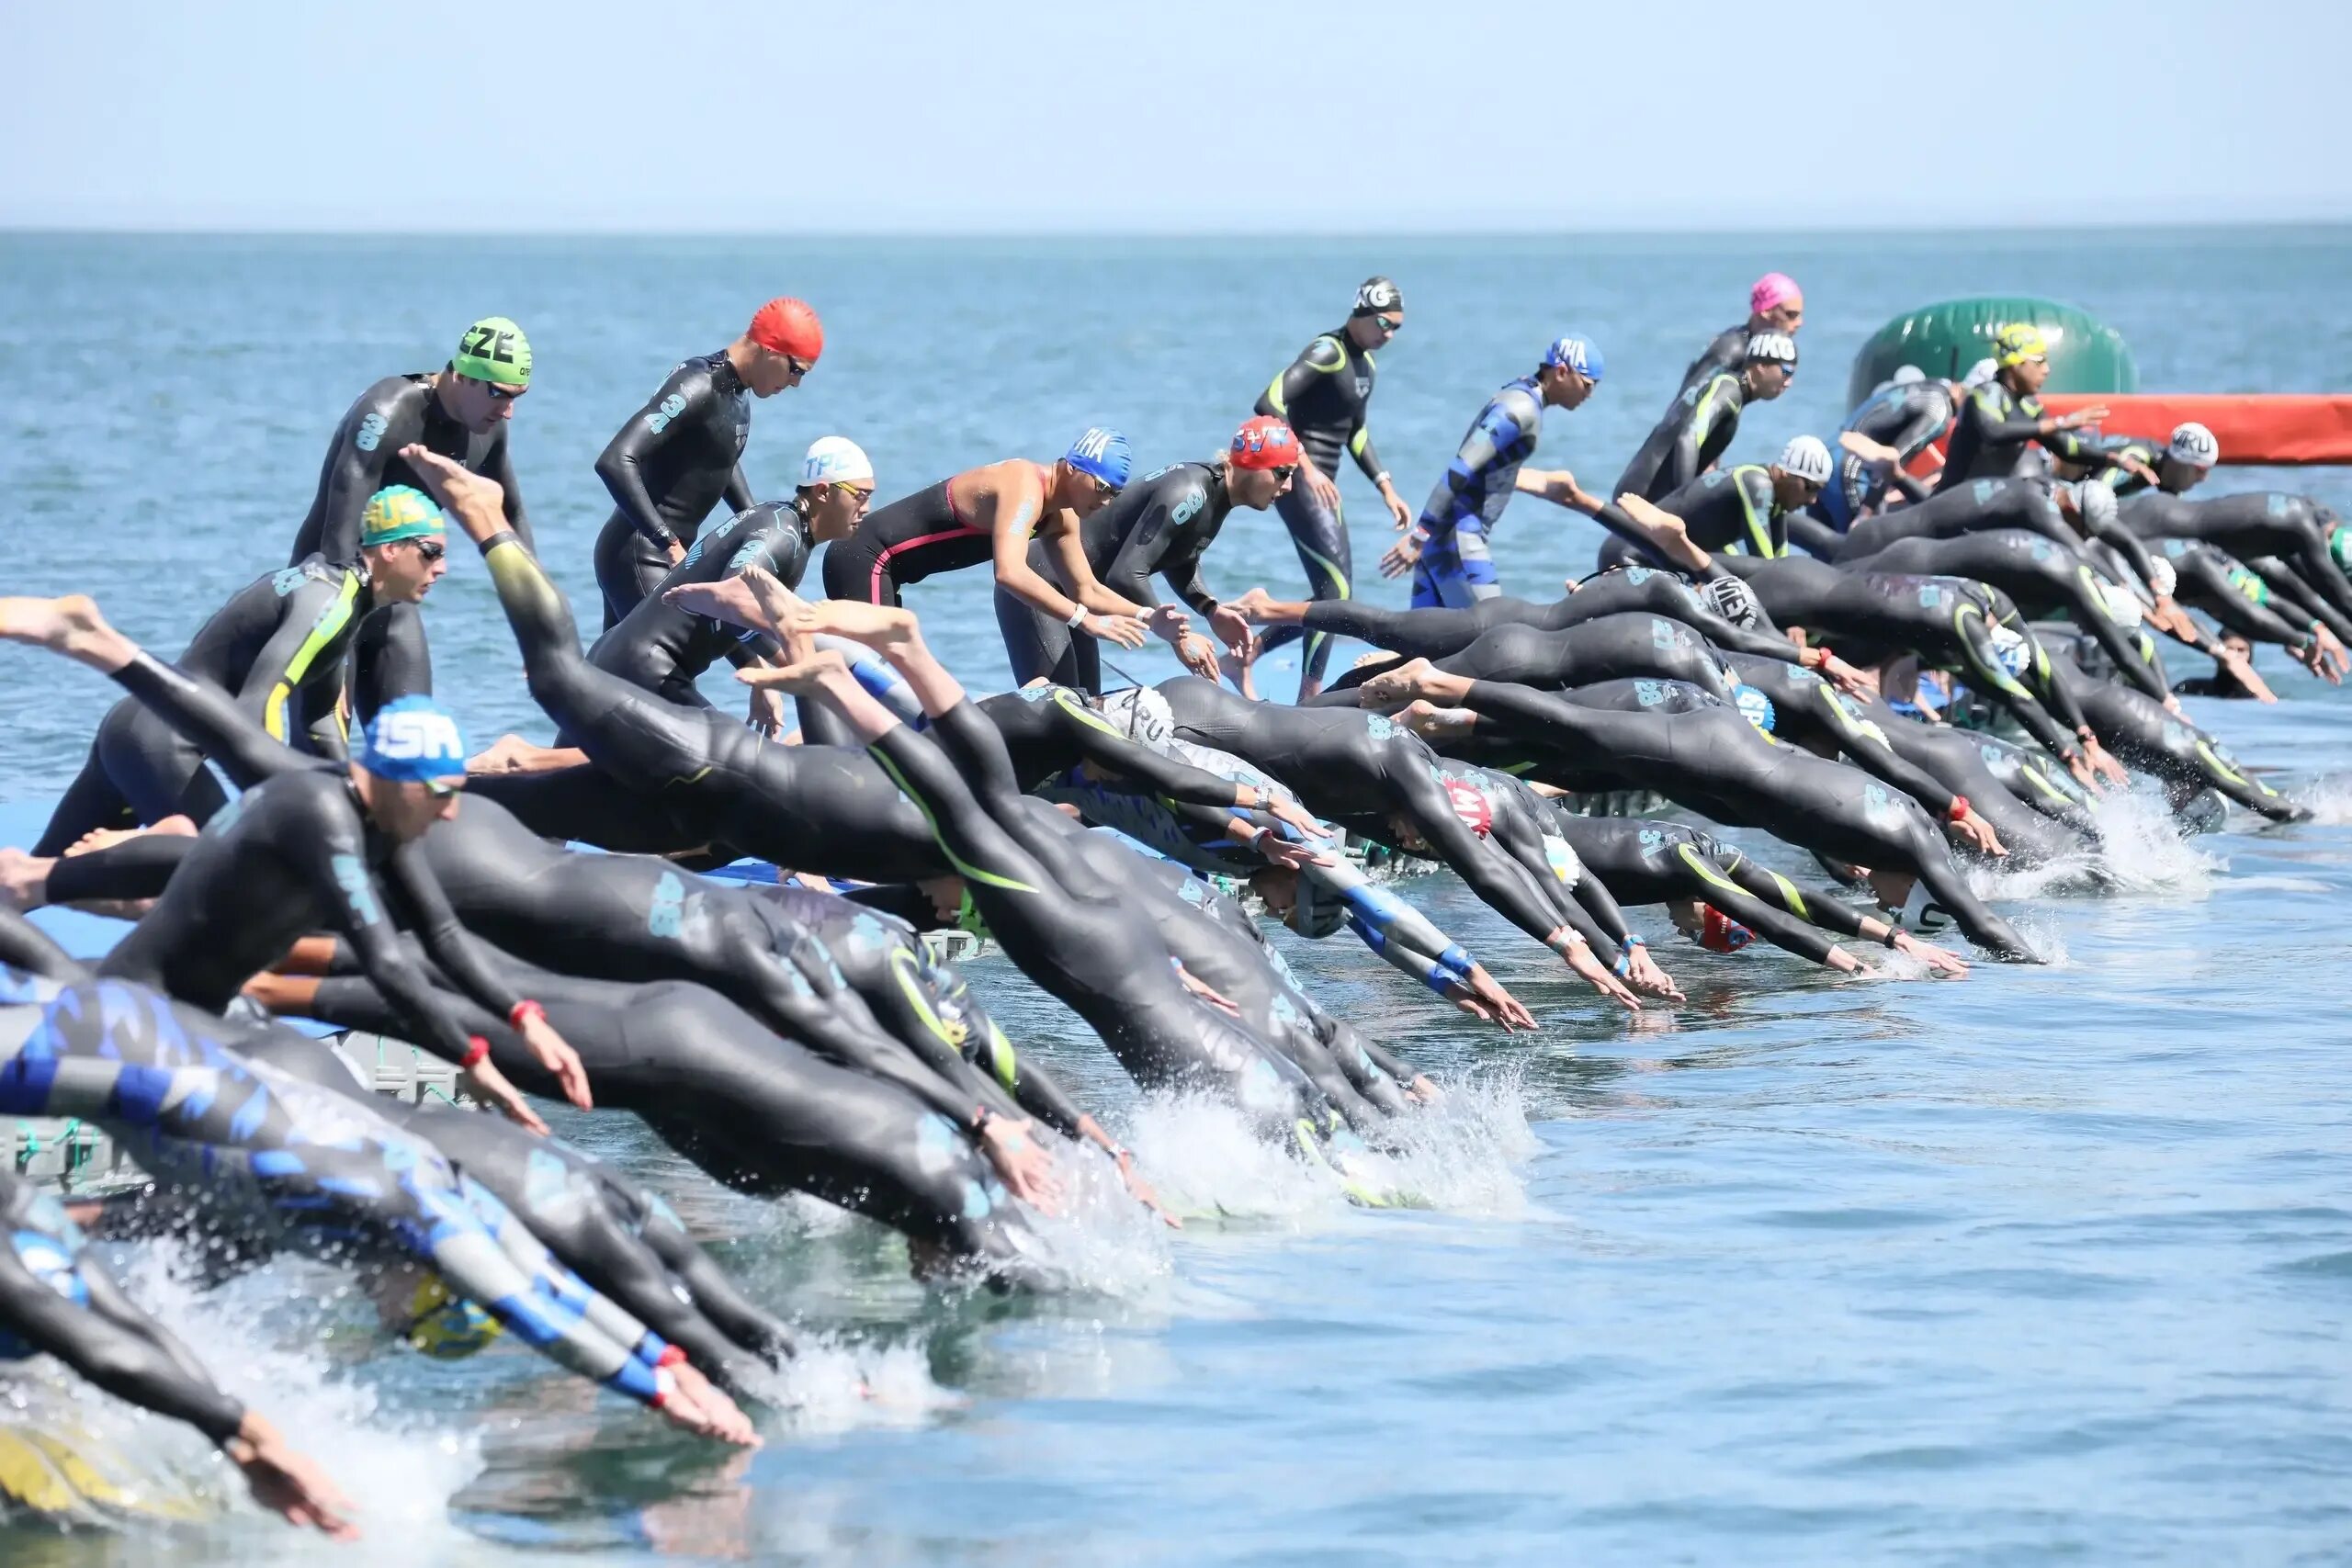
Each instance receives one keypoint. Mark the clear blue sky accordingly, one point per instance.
(1036, 116)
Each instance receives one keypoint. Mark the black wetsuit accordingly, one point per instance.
(1648, 861)
(1360, 770)
(1726, 351)
(2262, 522)
(278, 647)
(677, 458)
(1435, 633)
(755, 1112)
(1697, 426)
(1600, 650)
(1080, 937)
(389, 659)
(1905, 417)
(364, 457)
(663, 776)
(295, 853)
(1948, 621)
(2210, 579)
(55, 1300)
(2044, 579)
(1162, 524)
(1729, 510)
(1982, 506)
(662, 647)
(618, 1235)
(1995, 428)
(1324, 395)
(1705, 755)
(1524, 826)
(2144, 735)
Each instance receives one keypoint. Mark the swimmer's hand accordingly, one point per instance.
(2237, 664)
(488, 1084)
(2312, 656)
(556, 1054)
(1024, 1162)
(1320, 485)
(1844, 676)
(1275, 850)
(677, 551)
(1939, 961)
(1977, 833)
(1504, 1008)
(2109, 768)
(1868, 450)
(766, 713)
(1198, 655)
(1400, 556)
(285, 1481)
(1232, 628)
(1127, 631)
(1580, 957)
(1282, 809)
(1140, 1190)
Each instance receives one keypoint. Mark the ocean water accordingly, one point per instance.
(2050, 1264)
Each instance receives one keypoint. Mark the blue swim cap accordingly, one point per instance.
(1579, 352)
(1754, 705)
(1101, 452)
(412, 740)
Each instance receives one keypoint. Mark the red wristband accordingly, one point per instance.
(476, 1049)
(671, 1356)
(526, 1009)
(1959, 808)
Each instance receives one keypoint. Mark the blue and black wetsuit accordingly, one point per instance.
(1458, 566)
(1906, 416)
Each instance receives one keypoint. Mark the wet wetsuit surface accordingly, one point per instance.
(1648, 861)
(1323, 395)
(294, 1163)
(56, 1301)
(1697, 425)
(1601, 649)
(677, 458)
(1160, 525)
(277, 646)
(662, 647)
(1728, 509)
(2143, 734)
(1908, 418)
(364, 457)
(1457, 565)
(2263, 523)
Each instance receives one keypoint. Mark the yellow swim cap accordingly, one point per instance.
(399, 512)
(2020, 342)
(446, 1326)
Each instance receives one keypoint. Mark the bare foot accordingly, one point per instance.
(1260, 608)
(24, 879)
(730, 600)
(477, 504)
(71, 625)
(1402, 684)
(107, 838)
(879, 627)
(1237, 672)
(513, 754)
(803, 675)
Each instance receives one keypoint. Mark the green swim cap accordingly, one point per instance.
(444, 1327)
(2339, 545)
(494, 349)
(399, 512)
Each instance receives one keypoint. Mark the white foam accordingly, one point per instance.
(2328, 798)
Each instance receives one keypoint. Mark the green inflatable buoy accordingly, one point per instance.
(2085, 353)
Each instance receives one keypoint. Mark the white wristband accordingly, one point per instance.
(1076, 616)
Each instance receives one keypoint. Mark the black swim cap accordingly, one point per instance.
(1377, 294)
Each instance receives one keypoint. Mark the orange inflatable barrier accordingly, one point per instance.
(2253, 427)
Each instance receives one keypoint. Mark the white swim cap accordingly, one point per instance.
(2162, 577)
(1142, 716)
(2010, 649)
(2096, 503)
(1907, 376)
(1733, 600)
(1984, 370)
(2194, 444)
(833, 460)
(1807, 458)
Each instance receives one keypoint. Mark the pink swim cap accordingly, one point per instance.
(1774, 289)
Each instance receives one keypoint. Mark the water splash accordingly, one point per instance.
(2328, 798)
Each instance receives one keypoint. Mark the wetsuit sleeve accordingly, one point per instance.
(344, 885)
(622, 464)
(1523, 847)
(451, 947)
(1705, 879)
(205, 716)
(1032, 1087)
(1814, 536)
(354, 473)
(1320, 357)
(738, 493)
(1870, 751)
(1501, 881)
(1495, 439)
(1924, 421)
(1106, 748)
(1986, 410)
(24, 945)
(2089, 606)
(2132, 547)
(2207, 585)
(311, 627)
(499, 464)
(1181, 569)
(116, 1346)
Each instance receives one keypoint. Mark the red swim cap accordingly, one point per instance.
(788, 326)
(1469, 803)
(1718, 932)
(1263, 442)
